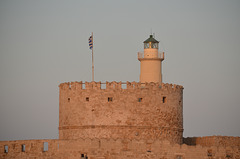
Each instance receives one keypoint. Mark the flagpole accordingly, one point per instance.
(92, 61)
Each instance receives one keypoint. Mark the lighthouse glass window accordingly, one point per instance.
(146, 45)
(155, 45)
(151, 45)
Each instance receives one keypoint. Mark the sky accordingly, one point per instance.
(45, 43)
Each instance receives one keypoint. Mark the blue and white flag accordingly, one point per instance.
(90, 40)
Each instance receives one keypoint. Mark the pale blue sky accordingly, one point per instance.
(44, 43)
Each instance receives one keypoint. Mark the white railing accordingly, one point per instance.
(140, 55)
(159, 55)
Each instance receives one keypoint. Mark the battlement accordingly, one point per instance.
(118, 85)
(110, 148)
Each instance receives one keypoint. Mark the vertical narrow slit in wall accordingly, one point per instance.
(5, 148)
(164, 99)
(68, 99)
(87, 99)
(110, 99)
(82, 156)
(139, 99)
(209, 153)
(229, 154)
(23, 148)
(45, 146)
(180, 102)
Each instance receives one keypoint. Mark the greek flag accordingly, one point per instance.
(90, 41)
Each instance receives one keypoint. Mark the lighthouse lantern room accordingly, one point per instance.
(151, 62)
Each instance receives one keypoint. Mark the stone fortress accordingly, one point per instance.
(114, 120)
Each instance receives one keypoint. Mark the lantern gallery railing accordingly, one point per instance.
(159, 55)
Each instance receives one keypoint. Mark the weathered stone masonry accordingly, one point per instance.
(120, 148)
(151, 111)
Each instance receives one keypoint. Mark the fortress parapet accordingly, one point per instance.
(121, 110)
(116, 148)
(118, 85)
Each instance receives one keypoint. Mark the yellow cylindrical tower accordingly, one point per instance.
(151, 62)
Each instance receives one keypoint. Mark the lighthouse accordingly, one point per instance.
(151, 62)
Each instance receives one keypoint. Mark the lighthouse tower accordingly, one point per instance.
(151, 62)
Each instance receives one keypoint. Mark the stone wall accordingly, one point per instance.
(140, 111)
(33, 149)
(115, 149)
(213, 141)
